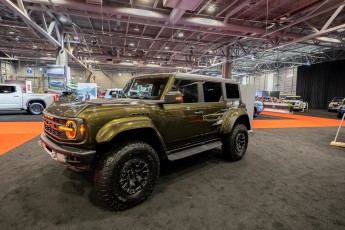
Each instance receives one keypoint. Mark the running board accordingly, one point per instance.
(194, 150)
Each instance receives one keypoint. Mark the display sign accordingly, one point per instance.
(58, 78)
(29, 71)
(28, 86)
(88, 91)
(57, 70)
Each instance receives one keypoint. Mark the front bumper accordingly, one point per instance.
(74, 158)
(333, 108)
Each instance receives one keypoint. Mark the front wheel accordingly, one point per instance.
(235, 143)
(35, 108)
(127, 175)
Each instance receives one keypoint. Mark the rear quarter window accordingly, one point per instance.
(212, 91)
(232, 91)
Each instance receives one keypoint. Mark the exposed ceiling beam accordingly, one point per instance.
(28, 20)
(151, 15)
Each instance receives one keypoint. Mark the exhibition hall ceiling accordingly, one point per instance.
(174, 35)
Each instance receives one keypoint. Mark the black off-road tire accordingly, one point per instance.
(120, 165)
(235, 143)
(35, 108)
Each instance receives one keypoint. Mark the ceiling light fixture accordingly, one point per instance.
(167, 47)
(152, 65)
(34, 47)
(211, 8)
(136, 28)
(131, 44)
(62, 19)
(94, 41)
(180, 35)
(126, 63)
(75, 38)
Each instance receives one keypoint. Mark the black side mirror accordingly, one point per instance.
(173, 97)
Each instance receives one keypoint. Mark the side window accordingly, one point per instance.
(212, 91)
(232, 90)
(7, 89)
(188, 88)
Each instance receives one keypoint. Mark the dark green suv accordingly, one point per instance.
(160, 117)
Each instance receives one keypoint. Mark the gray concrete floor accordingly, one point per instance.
(288, 179)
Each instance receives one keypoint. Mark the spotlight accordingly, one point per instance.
(211, 8)
(94, 41)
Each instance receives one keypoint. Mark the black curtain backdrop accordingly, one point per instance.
(318, 84)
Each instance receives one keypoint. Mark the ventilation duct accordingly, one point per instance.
(97, 2)
(182, 4)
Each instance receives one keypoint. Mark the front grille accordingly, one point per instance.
(51, 126)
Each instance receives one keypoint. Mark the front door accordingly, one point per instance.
(9, 98)
(184, 122)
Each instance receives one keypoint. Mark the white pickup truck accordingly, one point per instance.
(12, 98)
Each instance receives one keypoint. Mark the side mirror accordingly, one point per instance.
(173, 97)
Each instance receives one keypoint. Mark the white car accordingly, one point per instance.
(335, 103)
(296, 102)
(109, 93)
(12, 98)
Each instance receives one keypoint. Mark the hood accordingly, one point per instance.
(72, 109)
(66, 109)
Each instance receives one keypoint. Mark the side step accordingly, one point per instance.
(194, 150)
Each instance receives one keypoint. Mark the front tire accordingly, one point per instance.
(235, 143)
(127, 174)
(35, 108)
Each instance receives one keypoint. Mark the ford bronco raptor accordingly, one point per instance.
(159, 117)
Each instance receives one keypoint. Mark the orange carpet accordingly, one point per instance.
(294, 121)
(14, 134)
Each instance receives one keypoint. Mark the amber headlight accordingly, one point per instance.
(70, 128)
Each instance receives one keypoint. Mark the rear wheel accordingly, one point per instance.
(35, 108)
(127, 175)
(235, 143)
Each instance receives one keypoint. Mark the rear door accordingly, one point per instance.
(10, 98)
(215, 108)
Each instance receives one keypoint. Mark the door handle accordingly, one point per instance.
(199, 113)
(15, 96)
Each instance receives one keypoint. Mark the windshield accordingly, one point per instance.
(338, 99)
(293, 98)
(145, 88)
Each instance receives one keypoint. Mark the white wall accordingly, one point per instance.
(283, 80)
(7, 71)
